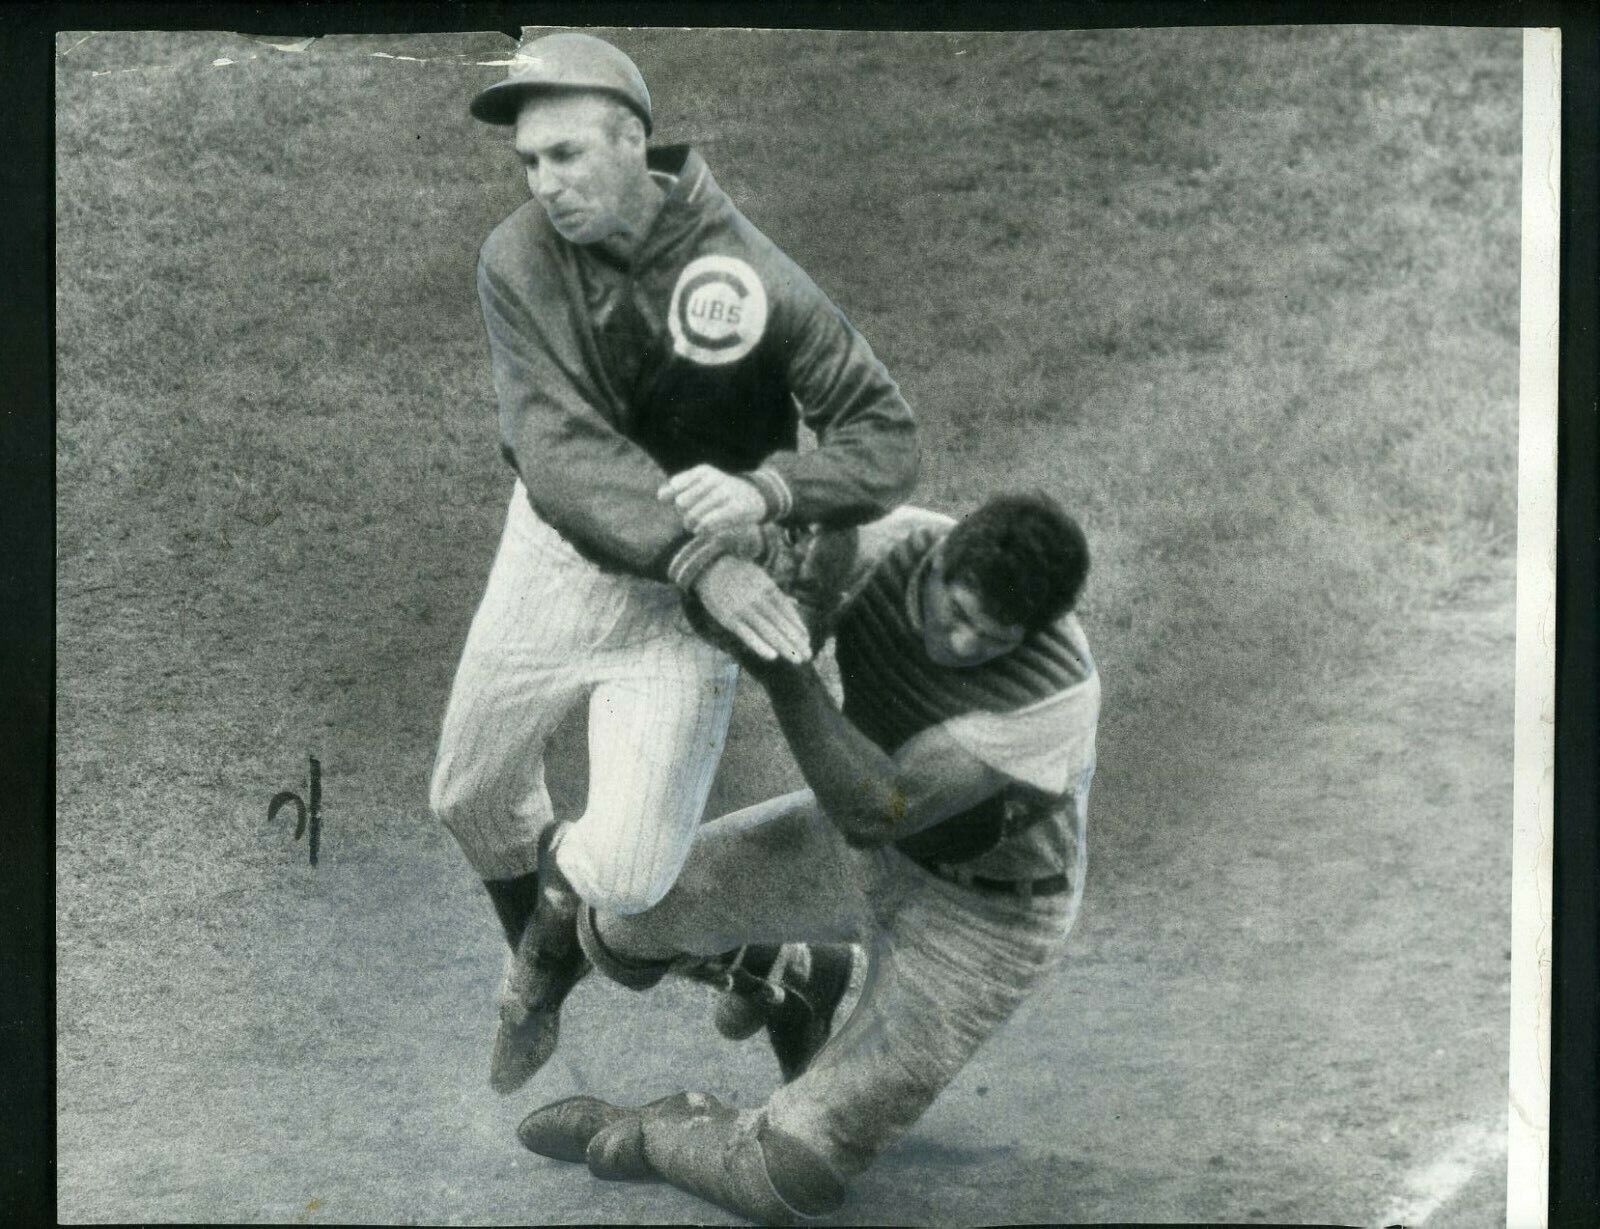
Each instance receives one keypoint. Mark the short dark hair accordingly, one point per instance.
(1023, 554)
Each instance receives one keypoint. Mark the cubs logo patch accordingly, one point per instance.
(718, 311)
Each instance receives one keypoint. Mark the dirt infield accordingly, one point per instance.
(1246, 299)
(1269, 1017)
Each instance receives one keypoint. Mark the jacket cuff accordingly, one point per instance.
(761, 544)
(773, 541)
(774, 489)
(659, 563)
(693, 558)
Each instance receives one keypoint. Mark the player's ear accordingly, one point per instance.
(627, 129)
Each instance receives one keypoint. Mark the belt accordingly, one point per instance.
(1025, 889)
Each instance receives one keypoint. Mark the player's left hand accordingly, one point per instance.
(709, 500)
(740, 609)
(751, 662)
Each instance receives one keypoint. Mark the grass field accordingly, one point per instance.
(1246, 299)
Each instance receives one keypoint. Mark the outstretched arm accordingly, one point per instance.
(873, 797)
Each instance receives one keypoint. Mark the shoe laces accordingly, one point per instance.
(789, 975)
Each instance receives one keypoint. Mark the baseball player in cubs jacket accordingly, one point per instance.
(653, 356)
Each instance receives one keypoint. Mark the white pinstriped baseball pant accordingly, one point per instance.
(552, 628)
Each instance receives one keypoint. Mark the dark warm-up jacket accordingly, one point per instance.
(708, 347)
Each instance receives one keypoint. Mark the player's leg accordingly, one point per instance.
(658, 715)
(946, 973)
(775, 872)
(658, 720)
(765, 910)
(948, 969)
(938, 987)
(772, 872)
(522, 669)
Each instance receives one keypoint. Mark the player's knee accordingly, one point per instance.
(439, 794)
(626, 899)
(451, 797)
(607, 877)
(443, 800)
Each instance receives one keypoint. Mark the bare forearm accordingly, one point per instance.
(856, 783)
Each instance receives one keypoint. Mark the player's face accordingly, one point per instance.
(583, 163)
(956, 629)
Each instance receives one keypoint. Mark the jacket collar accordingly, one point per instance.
(688, 202)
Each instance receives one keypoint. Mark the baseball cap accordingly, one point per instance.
(565, 61)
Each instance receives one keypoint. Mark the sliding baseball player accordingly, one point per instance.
(944, 831)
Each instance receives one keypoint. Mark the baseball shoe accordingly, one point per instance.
(562, 1130)
(696, 1143)
(542, 971)
(752, 980)
(794, 991)
(735, 1160)
(608, 1138)
(741, 1014)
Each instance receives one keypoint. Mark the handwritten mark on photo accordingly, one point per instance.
(303, 812)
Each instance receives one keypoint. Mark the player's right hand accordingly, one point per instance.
(748, 604)
(710, 501)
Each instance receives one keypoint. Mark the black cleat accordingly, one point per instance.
(800, 1025)
(545, 967)
(563, 1129)
(793, 991)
